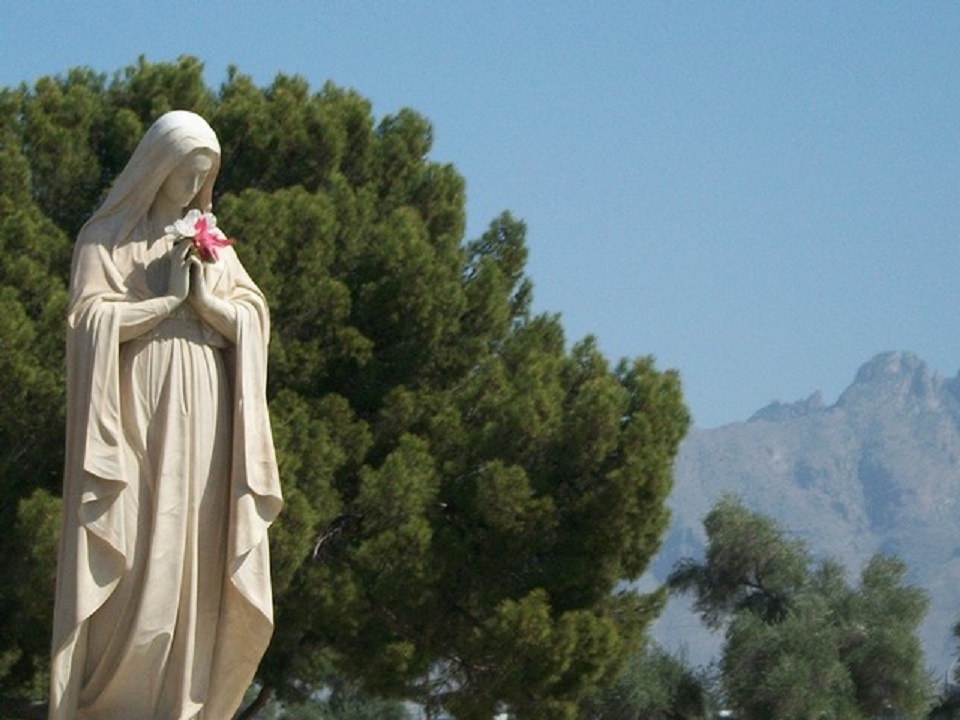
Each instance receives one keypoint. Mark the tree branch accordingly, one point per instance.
(263, 697)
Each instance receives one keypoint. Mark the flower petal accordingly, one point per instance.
(184, 228)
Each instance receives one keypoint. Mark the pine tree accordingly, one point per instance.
(465, 493)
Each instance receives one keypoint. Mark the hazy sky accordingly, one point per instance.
(761, 195)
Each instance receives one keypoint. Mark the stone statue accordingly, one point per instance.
(163, 604)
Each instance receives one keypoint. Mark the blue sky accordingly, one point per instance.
(761, 195)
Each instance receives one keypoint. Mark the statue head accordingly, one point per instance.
(183, 184)
(170, 147)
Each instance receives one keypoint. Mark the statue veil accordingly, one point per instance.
(168, 141)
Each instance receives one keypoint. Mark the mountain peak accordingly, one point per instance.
(893, 375)
(890, 365)
(778, 411)
(888, 376)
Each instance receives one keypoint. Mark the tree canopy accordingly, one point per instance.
(465, 491)
(800, 642)
(654, 685)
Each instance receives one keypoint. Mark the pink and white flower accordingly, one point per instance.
(201, 229)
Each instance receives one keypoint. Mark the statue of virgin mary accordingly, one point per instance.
(163, 600)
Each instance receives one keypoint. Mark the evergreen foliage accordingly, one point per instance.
(341, 699)
(654, 685)
(947, 705)
(800, 642)
(464, 493)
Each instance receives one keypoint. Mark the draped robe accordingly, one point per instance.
(163, 599)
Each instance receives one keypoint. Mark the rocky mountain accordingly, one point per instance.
(878, 471)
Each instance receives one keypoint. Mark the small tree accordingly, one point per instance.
(654, 685)
(800, 642)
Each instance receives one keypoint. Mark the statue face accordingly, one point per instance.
(183, 184)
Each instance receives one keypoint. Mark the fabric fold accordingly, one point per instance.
(127, 479)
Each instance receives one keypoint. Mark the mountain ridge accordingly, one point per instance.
(876, 471)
